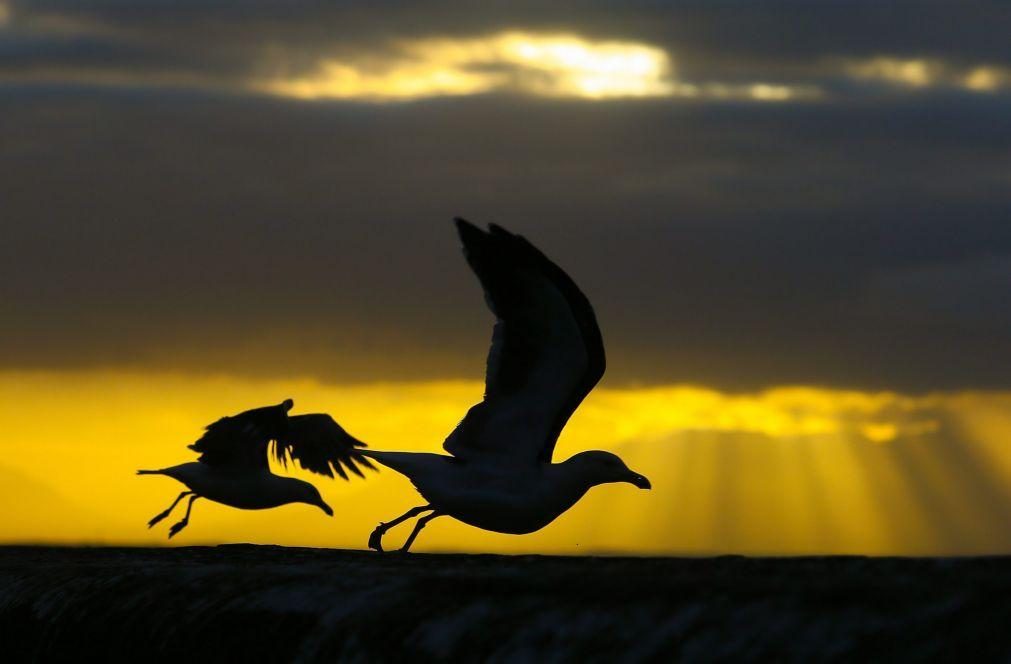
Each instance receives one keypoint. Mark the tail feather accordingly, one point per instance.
(150, 472)
(406, 463)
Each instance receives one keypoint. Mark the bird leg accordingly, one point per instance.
(376, 538)
(418, 525)
(162, 515)
(186, 519)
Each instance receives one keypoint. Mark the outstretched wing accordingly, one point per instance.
(546, 352)
(240, 441)
(320, 445)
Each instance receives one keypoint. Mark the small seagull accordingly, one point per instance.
(233, 468)
(546, 355)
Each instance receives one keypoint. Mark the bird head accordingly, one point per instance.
(603, 468)
(310, 495)
(287, 404)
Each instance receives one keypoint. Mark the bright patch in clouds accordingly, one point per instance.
(788, 412)
(927, 73)
(548, 65)
(535, 64)
(915, 73)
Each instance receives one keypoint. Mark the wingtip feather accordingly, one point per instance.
(467, 231)
(350, 463)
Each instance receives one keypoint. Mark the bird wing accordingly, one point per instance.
(546, 350)
(320, 445)
(240, 441)
(316, 442)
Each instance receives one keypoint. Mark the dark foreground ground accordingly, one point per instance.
(254, 603)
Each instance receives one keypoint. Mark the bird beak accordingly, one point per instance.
(326, 508)
(640, 481)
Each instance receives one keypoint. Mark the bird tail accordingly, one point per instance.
(406, 463)
(150, 472)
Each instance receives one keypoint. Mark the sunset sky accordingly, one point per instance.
(792, 219)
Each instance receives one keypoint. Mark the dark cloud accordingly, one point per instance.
(858, 240)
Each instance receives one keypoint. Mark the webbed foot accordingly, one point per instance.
(177, 527)
(158, 517)
(376, 538)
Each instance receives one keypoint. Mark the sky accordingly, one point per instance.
(791, 219)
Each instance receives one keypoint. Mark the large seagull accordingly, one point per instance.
(546, 355)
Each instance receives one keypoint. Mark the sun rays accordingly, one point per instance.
(791, 470)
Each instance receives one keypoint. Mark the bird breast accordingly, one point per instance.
(250, 490)
(500, 499)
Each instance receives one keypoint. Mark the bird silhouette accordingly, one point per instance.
(546, 355)
(233, 468)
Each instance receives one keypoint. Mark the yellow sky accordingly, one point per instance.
(793, 470)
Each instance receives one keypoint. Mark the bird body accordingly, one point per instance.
(244, 489)
(488, 495)
(546, 355)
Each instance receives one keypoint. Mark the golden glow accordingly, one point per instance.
(334, 80)
(915, 73)
(546, 65)
(5, 12)
(760, 92)
(986, 79)
(925, 73)
(766, 92)
(880, 432)
(574, 67)
(535, 64)
(789, 470)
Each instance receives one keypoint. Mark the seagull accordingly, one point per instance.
(233, 467)
(546, 355)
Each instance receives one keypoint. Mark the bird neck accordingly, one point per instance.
(572, 479)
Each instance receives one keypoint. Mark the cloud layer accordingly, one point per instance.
(750, 196)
